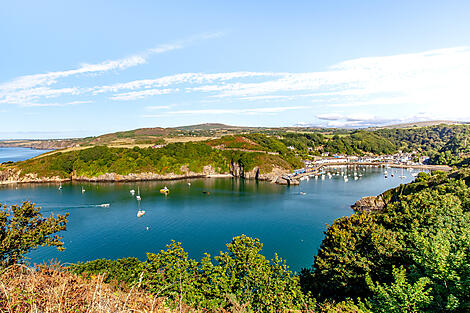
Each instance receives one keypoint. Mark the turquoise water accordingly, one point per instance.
(18, 154)
(286, 221)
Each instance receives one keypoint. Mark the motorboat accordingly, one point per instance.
(140, 213)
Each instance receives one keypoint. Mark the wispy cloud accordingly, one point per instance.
(28, 89)
(269, 110)
(183, 78)
(133, 95)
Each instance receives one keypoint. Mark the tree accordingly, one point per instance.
(23, 228)
(354, 247)
(400, 296)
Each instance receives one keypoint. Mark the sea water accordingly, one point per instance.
(203, 215)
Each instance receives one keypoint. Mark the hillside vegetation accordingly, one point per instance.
(176, 158)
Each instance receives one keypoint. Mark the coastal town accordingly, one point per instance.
(400, 160)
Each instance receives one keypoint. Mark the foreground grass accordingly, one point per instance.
(52, 288)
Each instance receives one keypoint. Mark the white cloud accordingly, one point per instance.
(270, 110)
(158, 107)
(431, 81)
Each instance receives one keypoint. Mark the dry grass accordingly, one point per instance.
(51, 288)
(125, 143)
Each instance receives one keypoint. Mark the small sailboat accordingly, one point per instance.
(83, 190)
(60, 186)
(140, 212)
(132, 191)
(138, 195)
(165, 190)
(402, 174)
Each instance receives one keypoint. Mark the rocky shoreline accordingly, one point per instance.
(13, 176)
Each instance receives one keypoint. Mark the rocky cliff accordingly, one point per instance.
(40, 144)
(369, 204)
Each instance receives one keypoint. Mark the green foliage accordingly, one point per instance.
(126, 270)
(240, 275)
(400, 296)
(423, 229)
(360, 142)
(23, 228)
(353, 248)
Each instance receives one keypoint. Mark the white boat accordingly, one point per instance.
(132, 191)
(60, 187)
(302, 193)
(83, 190)
(189, 184)
(140, 213)
(356, 178)
(104, 205)
(138, 195)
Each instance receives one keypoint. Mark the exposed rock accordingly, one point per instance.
(11, 176)
(281, 181)
(286, 181)
(293, 181)
(369, 204)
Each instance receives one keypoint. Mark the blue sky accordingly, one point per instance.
(78, 68)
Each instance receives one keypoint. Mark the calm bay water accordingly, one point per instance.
(18, 154)
(286, 221)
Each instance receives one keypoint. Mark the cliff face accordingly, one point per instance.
(274, 176)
